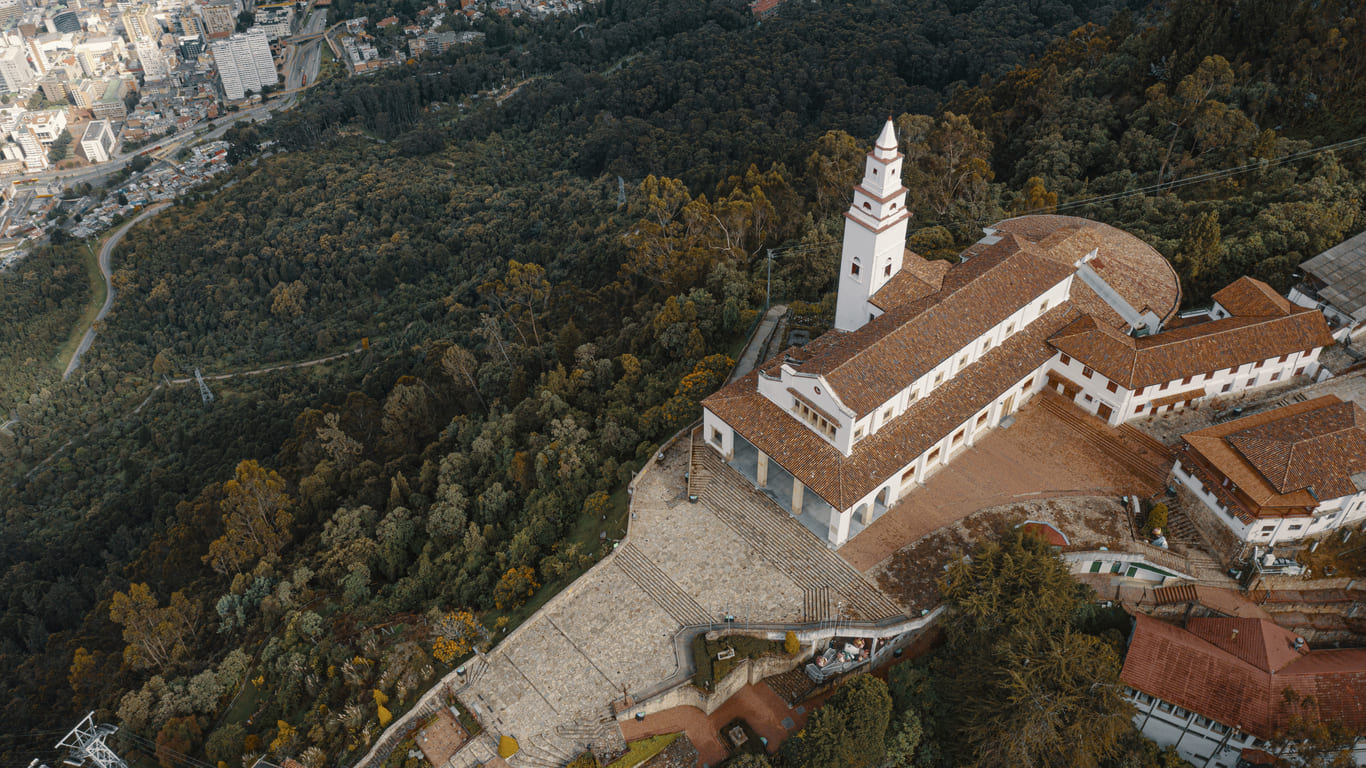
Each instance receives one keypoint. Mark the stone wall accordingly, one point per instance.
(747, 672)
(1220, 540)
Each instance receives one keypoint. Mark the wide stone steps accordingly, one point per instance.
(602, 738)
(1145, 441)
(790, 547)
(699, 475)
(818, 604)
(1093, 432)
(656, 584)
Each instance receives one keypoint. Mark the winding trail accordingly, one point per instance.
(106, 252)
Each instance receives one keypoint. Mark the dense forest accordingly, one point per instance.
(281, 570)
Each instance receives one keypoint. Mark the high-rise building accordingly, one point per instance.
(152, 60)
(139, 23)
(98, 141)
(14, 69)
(218, 18)
(9, 10)
(244, 63)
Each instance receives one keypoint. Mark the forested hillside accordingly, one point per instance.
(283, 569)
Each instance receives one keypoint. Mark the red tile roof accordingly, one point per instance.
(1241, 681)
(1195, 349)
(841, 481)
(867, 367)
(1276, 457)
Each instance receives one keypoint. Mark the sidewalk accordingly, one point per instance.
(750, 356)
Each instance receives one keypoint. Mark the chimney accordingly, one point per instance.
(1235, 636)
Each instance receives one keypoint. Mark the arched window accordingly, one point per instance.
(867, 207)
(854, 268)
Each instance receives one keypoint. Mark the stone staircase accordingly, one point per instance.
(790, 547)
(818, 604)
(1142, 458)
(699, 475)
(657, 585)
(603, 738)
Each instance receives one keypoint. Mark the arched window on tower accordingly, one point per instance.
(854, 268)
(867, 207)
(887, 270)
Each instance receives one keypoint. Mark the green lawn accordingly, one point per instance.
(640, 751)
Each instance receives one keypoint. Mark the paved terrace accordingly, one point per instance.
(551, 682)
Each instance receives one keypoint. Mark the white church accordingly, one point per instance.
(926, 356)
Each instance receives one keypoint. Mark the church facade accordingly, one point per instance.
(925, 357)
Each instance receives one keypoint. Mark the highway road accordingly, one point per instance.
(305, 58)
(105, 253)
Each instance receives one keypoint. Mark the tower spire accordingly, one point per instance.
(874, 233)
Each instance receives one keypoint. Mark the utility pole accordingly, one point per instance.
(768, 290)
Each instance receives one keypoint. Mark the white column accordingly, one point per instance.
(761, 471)
(797, 490)
(867, 517)
(839, 526)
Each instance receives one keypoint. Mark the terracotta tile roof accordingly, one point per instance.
(1252, 298)
(1241, 682)
(868, 366)
(1277, 456)
(1132, 267)
(1224, 601)
(918, 278)
(1191, 350)
(842, 481)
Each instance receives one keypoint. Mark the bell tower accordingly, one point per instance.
(874, 233)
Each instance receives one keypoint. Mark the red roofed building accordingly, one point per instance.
(926, 356)
(1222, 685)
(1287, 473)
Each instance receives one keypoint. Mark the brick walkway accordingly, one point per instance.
(1039, 456)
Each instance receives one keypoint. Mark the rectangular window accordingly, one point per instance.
(1113, 387)
(939, 378)
(1086, 371)
(887, 271)
(1043, 307)
(858, 434)
(1066, 360)
(1139, 408)
(807, 414)
(1259, 364)
(853, 270)
(1227, 387)
(886, 415)
(1299, 371)
(1164, 706)
(933, 457)
(983, 418)
(908, 476)
(1283, 358)
(962, 361)
(1267, 529)
(1275, 376)
(1186, 380)
(1089, 398)
(986, 345)
(1252, 382)
(716, 435)
(1011, 329)
(1296, 527)
(1028, 383)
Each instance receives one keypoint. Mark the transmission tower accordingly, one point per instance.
(621, 192)
(86, 742)
(204, 392)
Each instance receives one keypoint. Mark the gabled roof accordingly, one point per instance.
(842, 480)
(868, 366)
(1247, 297)
(1297, 455)
(1242, 682)
(1197, 349)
